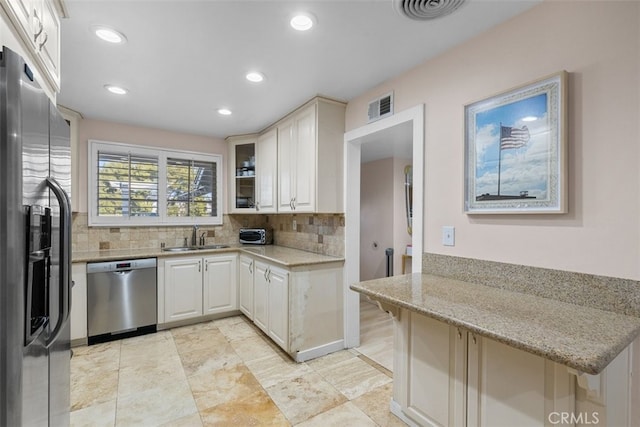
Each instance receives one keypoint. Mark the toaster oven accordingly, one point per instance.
(256, 236)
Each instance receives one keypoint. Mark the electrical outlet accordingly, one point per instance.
(294, 225)
(448, 235)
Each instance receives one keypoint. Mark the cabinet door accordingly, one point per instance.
(48, 43)
(242, 174)
(219, 284)
(278, 291)
(183, 288)
(267, 172)
(78, 317)
(305, 160)
(433, 366)
(507, 386)
(246, 286)
(260, 296)
(286, 155)
(23, 13)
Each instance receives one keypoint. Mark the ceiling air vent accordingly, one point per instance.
(423, 10)
(381, 107)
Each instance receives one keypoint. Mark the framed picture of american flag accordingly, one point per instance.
(516, 150)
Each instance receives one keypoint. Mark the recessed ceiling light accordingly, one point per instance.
(118, 90)
(108, 34)
(302, 21)
(224, 111)
(255, 77)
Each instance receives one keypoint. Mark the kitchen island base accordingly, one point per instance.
(447, 376)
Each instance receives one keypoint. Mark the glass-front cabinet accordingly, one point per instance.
(253, 173)
(242, 171)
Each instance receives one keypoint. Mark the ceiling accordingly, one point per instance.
(185, 59)
(396, 141)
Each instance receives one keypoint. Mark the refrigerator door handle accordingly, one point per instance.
(65, 258)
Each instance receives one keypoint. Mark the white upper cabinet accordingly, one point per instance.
(267, 172)
(286, 147)
(37, 23)
(310, 155)
(242, 173)
(294, 166)
(297, 162)
(48, 42)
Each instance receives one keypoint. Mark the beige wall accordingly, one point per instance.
(382, 216)
(115, 132)
(598, 43)
(376, 217)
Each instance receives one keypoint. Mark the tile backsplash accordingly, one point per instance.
(319, 233)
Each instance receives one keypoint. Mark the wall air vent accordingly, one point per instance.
(423, 10)
(381, 107)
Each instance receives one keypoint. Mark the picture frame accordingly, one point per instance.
(516, 150)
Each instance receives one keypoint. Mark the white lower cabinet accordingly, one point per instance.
(271, 302)
(78, 316)
(260, 296)
(446, 376)
(197, 286)
(220, 290)
(245, 284)
(183, 289)
(300, 308)
(271, 285)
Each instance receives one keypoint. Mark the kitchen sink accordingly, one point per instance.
(178, 249)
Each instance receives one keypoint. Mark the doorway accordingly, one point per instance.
(366, 139)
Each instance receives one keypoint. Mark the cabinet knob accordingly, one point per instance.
(459, 334)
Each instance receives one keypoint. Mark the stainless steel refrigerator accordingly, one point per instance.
(35, 252)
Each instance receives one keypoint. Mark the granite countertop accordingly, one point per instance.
(583, 338)
(287, 257)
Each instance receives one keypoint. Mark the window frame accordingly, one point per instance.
(161, 154)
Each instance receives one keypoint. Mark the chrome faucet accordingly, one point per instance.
(194, 236)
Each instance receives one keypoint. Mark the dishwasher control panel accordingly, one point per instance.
(134, 264)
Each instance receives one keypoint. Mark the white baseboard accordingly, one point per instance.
(322, 350)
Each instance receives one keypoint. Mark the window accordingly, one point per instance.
(134, 185)
(190, 188)
(127, 185)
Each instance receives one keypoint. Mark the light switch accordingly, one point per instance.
(448, 235)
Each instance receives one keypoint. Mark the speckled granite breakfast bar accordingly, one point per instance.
(585, 337)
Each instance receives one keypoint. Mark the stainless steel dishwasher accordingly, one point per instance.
(121, 299)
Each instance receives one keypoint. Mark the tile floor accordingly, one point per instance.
(376, 334)
(223, 373)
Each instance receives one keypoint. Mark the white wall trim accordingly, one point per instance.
(352, 154)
